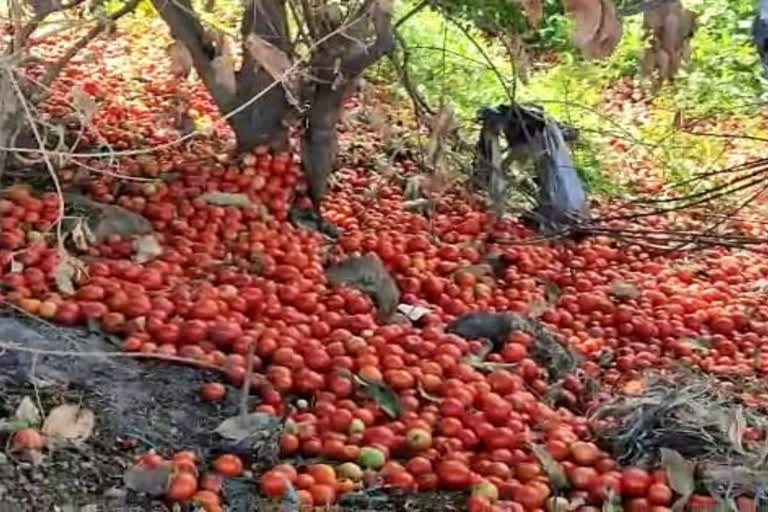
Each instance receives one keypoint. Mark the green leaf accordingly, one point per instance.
(554, 470)
(680, 475)
(382, 394)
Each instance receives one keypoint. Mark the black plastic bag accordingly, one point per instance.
(562, 198)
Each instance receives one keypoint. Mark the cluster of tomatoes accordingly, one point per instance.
(231, 278)
(239, 279)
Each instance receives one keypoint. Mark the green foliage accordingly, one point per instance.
(444, 60)
(724, 70)
(493, 15)
(722, 76)
(554, 29)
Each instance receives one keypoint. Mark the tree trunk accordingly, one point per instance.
(320, 144)
(11, 117)
(262, 122)
(335, 78)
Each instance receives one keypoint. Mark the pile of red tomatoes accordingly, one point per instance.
(234, 279)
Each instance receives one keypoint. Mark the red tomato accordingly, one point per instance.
(635, 482)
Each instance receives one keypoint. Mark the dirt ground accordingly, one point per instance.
(139, 405)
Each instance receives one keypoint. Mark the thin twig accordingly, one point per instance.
(245, 393)
(13, 347)
(30, 119)
(416, 9)
(223, 119)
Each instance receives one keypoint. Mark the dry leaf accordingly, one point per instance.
(27, 412)
(45, 6)
(64, 275)
(382, 394)
(241, 427)
(368, 275)
(82, 236)
(148, 480)
(116, 220)
(553, 469)
(413, 312)
(146, 248)
(181, 60)
(224, 73)
(534, 11)
(84, 103)
(226, 199)
(538, 307)
(735, 427)
(16, 266)
(69, 423)
(276, 62)
(623, 290)
(477, 270)
(680, 473)
(269, 56)
(597, 26)
(697, 343)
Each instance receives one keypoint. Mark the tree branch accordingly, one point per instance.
(353, 65)
(417, 9)
(309, 19)
(420, 105)
(102, 24)
(23, 35)
(303, 31)
(185, 26)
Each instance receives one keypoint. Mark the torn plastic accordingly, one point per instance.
(562, 198)
(530, 135)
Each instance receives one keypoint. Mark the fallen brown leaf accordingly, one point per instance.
(69, 423)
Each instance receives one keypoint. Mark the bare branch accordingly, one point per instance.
(185, 26)
(23, 35)
(102, 24)
(304, 31)
(353, 65)
(309, 18)
(420, 104)
(417, 9)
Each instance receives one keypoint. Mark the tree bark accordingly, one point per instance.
(262, 121)
(320, 144)
(320, 141)
(11, 119)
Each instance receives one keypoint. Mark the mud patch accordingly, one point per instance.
(138, 405)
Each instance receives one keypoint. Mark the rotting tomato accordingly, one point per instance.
(228, 465)
(635, 482)
(274, 483)
(181, 487)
